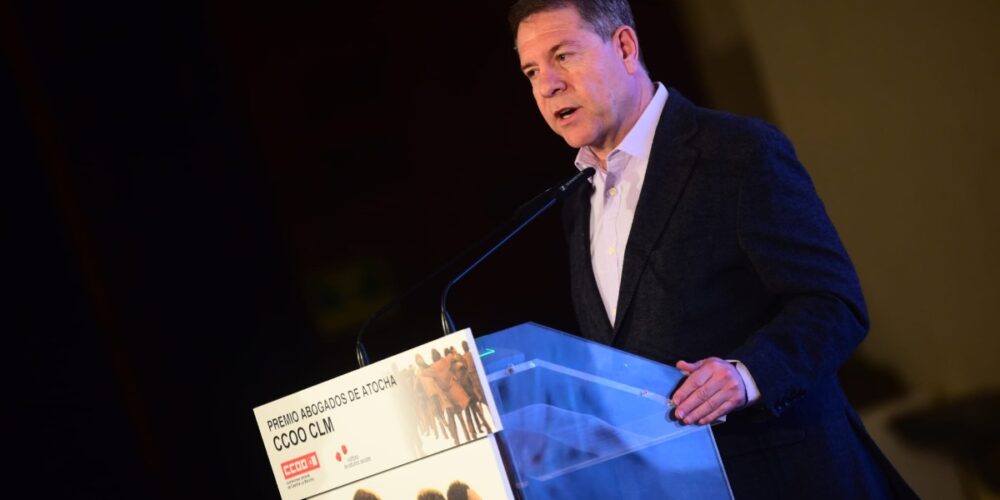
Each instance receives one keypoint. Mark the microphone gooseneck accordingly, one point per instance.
(543, 201)
(546, 199)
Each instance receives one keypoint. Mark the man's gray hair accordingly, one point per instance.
(603, 16)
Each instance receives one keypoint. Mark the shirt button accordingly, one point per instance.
(612, 191)
(611, 250)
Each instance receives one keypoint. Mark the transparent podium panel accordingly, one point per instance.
(584, 420)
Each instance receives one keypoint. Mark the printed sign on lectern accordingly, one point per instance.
(420, 420)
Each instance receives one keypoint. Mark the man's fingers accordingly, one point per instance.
(719, 403)
(686, 367)
(693, 396)
(719, 412)
(688, 407)
(698, 374)
(716, 401)
(694, 381)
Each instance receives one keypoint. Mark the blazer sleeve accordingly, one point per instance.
(786, 235)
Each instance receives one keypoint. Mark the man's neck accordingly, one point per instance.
(645, 95)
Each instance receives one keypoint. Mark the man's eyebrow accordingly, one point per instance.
(555, 48)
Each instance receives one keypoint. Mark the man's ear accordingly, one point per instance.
(626, 44)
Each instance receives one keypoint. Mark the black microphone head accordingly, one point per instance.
(570, 185)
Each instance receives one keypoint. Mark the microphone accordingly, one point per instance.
(569, 186)
(546, 199)
(534, 207)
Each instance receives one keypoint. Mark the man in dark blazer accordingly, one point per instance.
(731, 268)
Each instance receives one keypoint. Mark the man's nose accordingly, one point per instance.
(551, 83)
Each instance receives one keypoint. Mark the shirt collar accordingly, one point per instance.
(638, 142)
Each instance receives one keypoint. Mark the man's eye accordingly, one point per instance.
(530, 73)
(562, 57)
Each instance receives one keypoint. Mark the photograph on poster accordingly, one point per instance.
(447, 396)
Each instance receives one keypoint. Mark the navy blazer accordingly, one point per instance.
(731, 254)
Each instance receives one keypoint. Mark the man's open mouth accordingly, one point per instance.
(564, 113)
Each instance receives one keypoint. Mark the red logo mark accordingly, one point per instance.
(299, 466)
(343, 449)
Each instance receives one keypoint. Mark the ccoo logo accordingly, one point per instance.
(300, 465)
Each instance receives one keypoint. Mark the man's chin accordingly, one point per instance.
(576, 141)
(577, 135)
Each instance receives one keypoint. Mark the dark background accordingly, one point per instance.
(203, 203)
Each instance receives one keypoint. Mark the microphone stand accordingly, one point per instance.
(550, 196)
(554, 194)
(447, 325)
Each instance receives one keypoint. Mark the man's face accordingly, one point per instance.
(583, 85)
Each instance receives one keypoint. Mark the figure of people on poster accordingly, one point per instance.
(448, 396)
(457, 490)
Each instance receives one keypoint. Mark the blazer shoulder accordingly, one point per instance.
(725, 135)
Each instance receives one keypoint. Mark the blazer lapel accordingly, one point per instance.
(671, 163)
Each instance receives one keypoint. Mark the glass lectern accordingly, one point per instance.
(584, 420)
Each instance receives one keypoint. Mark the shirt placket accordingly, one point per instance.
(610, 269)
